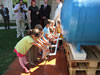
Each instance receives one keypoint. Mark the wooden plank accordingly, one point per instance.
(71, 56)
(89, 66)
(98, 73)
(95, 51)
(93, 64)
(65, 47)
(67, 58)
(91, 72)
(99, 65)
(67, 54)
(72, 71)
(90, 55)
(82, 66)
(80, 73)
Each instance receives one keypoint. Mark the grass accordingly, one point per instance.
(11, 24)
(7, 42)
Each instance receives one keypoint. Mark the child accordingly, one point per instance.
(43, 41)
(46, 30)
(24, 45)
(59, 31)
(53, 29)
(58, 27)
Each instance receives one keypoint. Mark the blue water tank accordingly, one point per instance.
(81, 21)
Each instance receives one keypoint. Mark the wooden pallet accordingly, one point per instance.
(90, 66)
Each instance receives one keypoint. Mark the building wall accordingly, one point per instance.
(53, 8)
(53, 5)
(9, 4)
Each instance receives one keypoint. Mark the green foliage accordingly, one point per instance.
(16, 1)
(11, 24)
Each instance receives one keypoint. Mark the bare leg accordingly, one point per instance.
(21, 61)
(25, 60)
(44, 54)
(40, 50)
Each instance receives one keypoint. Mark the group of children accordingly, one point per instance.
(42, 38)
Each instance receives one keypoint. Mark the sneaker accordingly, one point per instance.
(18, 36)
(8, 27)
(22, 34)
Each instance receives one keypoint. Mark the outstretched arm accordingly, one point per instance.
(40, 46)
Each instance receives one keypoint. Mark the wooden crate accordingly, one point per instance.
(90, 66)
(91, 71)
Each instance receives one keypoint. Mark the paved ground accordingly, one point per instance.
(56, 65)
(12, 27)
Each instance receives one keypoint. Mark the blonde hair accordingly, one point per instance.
(58, 21)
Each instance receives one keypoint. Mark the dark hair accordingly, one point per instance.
(46, 22)
(20, 0)
(34, 32)
(38, 26)
(33, 1)
(51, 30)
(29, 32)
(61, 0)
(1, 5)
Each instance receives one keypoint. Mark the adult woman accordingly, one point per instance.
(33, 14)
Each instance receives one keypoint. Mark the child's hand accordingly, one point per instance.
(29, 21)
(51, 39)
(44, 47)
(45, 43)
(47, 51)
(54, 42)
(49, 44)
(37, 13)
(56, 37)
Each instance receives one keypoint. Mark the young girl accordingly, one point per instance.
(24, 45)
(43, 41)
(59, 31)
(53, 28)
(46, 30)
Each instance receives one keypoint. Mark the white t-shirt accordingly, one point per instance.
(19, 14)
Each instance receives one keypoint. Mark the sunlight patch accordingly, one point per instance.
(25, 74)
(33, 69)
(52, 62)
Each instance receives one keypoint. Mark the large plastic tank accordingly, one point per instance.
(81, 21)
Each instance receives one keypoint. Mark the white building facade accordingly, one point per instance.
(9, 5)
